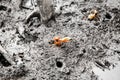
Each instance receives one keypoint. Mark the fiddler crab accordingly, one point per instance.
(59, 41)
(93, 15)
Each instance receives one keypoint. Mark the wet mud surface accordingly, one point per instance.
(95, 45)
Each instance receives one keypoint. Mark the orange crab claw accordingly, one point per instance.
(58, 41)
(66, 39)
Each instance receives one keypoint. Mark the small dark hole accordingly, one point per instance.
(31, 29)
(61, 8)
(3, 30)
(33, 79)
(72, 3)
(108, 16)
(68, 73)
(2, 24)
(4, 8)
(84, 51)
(59, 64)
(90, 19)
(93, 48)
(9, 10)
(107, 63)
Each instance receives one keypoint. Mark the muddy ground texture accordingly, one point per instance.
(94, 43)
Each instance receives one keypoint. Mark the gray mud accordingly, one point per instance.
(95, 44)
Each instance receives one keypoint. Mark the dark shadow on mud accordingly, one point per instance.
(4, 61)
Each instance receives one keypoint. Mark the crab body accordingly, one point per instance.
(59, 41)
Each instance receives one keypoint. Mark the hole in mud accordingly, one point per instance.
(107, 63)
(3, 30)
(59, 64)
(68, 73)
(3, 61)
(86, 0)
(72, 3)
(2, 24)
(33, 79)
(84, 51)
(61, 8)
(31, 29)
(108, 16)
(9, 10)
(4, 8)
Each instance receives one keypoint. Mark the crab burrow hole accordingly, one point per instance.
(59, 64)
